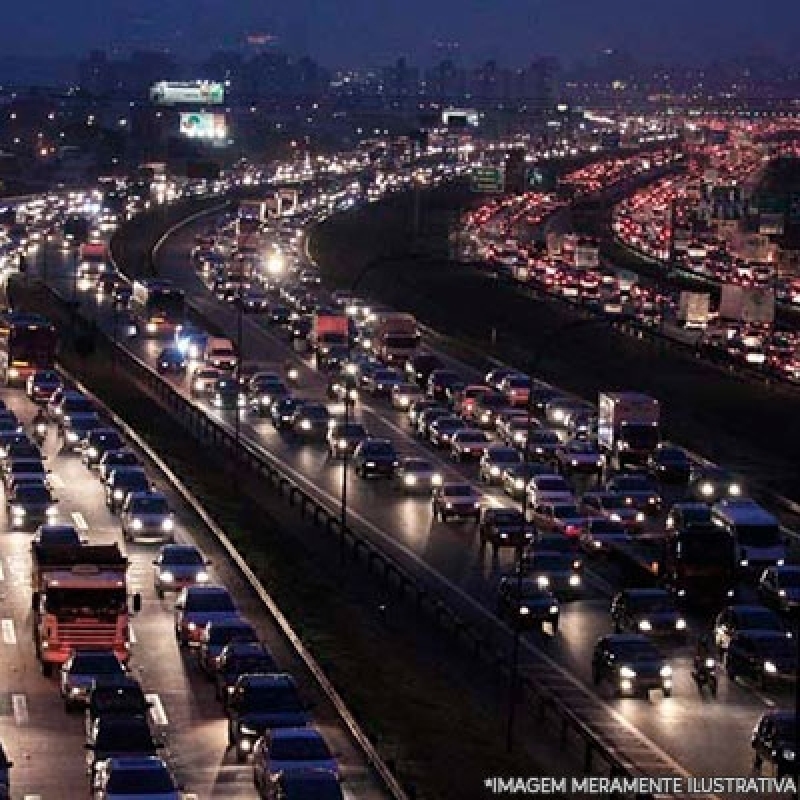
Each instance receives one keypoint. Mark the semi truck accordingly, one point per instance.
(80, 600)
(396, 337)
(628, 426)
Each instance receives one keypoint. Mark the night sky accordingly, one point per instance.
(366, 32)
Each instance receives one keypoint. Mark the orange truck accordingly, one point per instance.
(80, 601)
(328, 329)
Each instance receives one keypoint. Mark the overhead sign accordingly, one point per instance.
(488, 179)
(461, 118)
(203, 93)
(203, 125)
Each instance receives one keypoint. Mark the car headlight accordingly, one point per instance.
(448, 505)
(72, 436)
(305, 424)
(770, 668)
(166, 576)
(18, 511)
(706, 489)
(743, 562)
(788, 755)
(644, 625)
(436, 479)
(119, 494)
(477, 504)
(574, 580)
(495, 471)
(245, 730)
(342, 443)
(192, 626)
(734, 489)
(198, 385)
(410, 480)
(666, 671)
(627, 672)
(92, 452)
(486, 416)
(137, 524)
(543, 581)
(202, 577)
(168, 524)
(680, 624)
(710, 663)
(524, 611)
(615, 517)
(519, 484)
(640, 516)
(151, 327)
(553, 610)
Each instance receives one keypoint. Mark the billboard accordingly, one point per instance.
(203, 93)
(203, 125)
(461, 118)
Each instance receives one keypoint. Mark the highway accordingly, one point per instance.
(681, 735)
(47, 744)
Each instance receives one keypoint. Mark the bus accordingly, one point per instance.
(159, 306)
(28, 343)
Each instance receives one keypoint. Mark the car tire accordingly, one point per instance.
(667, 692)
(241, 756)
(47, 669)
(159, 593)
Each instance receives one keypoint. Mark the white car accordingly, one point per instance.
(147, 516)
(549, 489)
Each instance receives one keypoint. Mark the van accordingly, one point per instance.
(757, 533)
(220, 353)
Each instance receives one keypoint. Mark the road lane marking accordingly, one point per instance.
(20, 706)
(2, 574)
(80, 521)
(32, 797)
(9, 634)
(157, 712)
(56, 481)
(131, 635)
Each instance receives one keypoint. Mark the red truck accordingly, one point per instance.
(329, 329)
(80, 600)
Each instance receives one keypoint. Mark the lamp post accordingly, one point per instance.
(345, 460)
(237, 426)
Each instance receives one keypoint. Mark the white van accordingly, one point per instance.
(220, 353)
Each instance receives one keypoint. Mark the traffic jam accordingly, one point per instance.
(566, 500)
(549, 487)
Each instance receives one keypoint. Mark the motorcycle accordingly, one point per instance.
(705, 674)
(40, 432)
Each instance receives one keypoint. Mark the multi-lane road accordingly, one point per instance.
(681, 735)
(47, 745)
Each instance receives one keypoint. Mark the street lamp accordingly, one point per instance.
(237, 426)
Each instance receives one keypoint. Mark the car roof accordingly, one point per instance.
(269, 679)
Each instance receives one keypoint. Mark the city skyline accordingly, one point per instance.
(358, 33)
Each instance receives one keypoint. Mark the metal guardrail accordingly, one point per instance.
(397, 582)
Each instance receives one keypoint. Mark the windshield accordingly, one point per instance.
(27, 467)
(149, 505)
(508, 456)
(789, 579)
(251, 664)
(350, 430)
(273, 699)
(89, 602)
(777, 646)
(188, 557)
(124, 739)
(632, 483)
(95, 665)
(758, 535)
(215, 601)
(36, 345)
(506, 517)
(458, 491)
(641, 436)
(636, 651)
(317, 413)
(225, 634)
(402, 342)
(553, 484)
(706, 546)
(565, 511)
(379, 449)
(139, 782)
(655, 602)
(32, 494)
(544, 437)
(300, 748)
(300, 787)
(472, 437)
(107, 700)
(553, 562)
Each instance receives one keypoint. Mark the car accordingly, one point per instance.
(237, 659)
(764, 657)
(375, 457)
(42, 384)
(343, 387)
(418, 407)
(254, 301)
(76, 428)
(310, 421)
(554, 571)
(710, 484)
(542, 444)
(428, 417)
(196, 606)
(515, 478)
(464, 403)
(29, 505)
(495, 377)
(455, 499)
(146, 516)
(487, 408)
(779, 588)
(259, 703)
(282, 411)
(123, 778)
(632, 664)
(601, 534)
(509, 422)
(121, 482)
(16, 443)
(614, 508)
(55, 535)
(516, 388)
(669, 464)
(24, 470)
(442, 380)
(114, 459)
(171, 360)
(178, 566)
(344, 438)
(204, 380)
(683, 516)
(563, 518)
(524, 604)
(68, 401)
(414, 474)
(579, 457)
(228, 394)
(381, 381)
(9, 424)
(495, 459)
(553, 543)
(441, 429)
(504, 527)
(113, 736)
(638, 492)
(467, 444)
(217, 635)
(5, 768)
(193, 344)
(774, 740)
(115, 695)
(745, 618)
(404, 394)
(648, 611)
(98, 442)
(420, 366)
(80, 671)
(289, 749)
(548, 489)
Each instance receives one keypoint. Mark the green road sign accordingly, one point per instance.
(488, 179)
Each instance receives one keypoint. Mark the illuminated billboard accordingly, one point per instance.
(170, 93)
(460, 118)
(203, 125)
